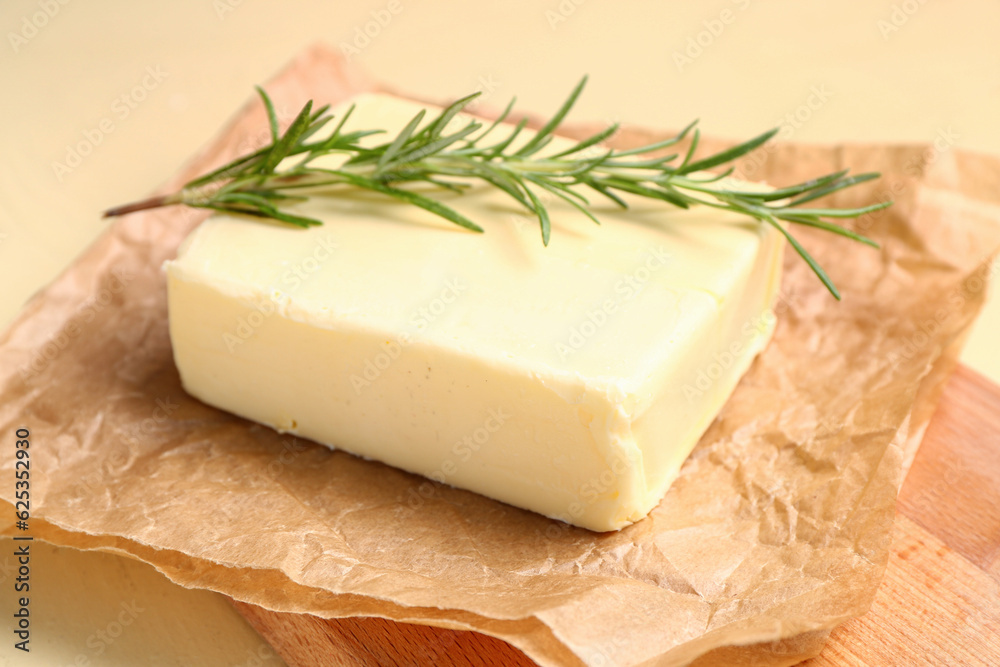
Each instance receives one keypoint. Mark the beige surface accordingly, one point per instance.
(91, 609)
(935, 78)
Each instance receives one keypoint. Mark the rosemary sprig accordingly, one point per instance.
(433, 152)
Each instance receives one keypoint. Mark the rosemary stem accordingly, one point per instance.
(145, 204)
(264, 185)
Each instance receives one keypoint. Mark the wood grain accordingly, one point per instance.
(939, 603)
(302, 639)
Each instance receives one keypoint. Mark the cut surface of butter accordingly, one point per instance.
(572, 380)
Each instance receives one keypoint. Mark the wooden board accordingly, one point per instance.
(938, 605)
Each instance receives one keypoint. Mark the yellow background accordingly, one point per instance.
(886, 70)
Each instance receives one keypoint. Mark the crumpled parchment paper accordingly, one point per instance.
(776, 531)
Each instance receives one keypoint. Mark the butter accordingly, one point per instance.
(572, 380)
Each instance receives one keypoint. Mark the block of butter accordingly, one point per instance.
(572, 380)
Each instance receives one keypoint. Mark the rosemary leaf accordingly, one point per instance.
(254, 185)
